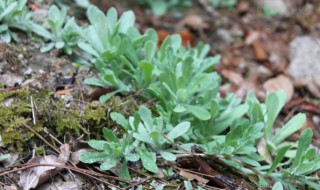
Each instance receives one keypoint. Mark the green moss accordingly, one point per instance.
(95, 117)
(127, 105)
(94, 113)
(66, 121)
(52, 113)
(14, 111)
(40, 150)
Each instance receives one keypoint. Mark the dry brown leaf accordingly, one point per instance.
(232, 76)
(32, 177)
(195, 22)
(191, 177)
(259, 52)
(243, 6)
(252, 36)
(281, 82)
(207, 169)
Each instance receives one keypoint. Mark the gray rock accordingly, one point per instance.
(304, 65)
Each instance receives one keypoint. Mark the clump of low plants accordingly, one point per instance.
(189, 108)
(62, 35)
(15, 16)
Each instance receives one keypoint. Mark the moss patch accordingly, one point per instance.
(51, 112)
(15, 110)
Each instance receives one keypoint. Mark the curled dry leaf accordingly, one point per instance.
(280, 83)
(34, 176)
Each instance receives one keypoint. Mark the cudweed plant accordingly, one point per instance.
(182, 82)
(146, 140)
(160, 7)
(63, 35)
(151, 131)
(112, 152)
(189, 107)
(14, 16)
(117, 49)
(223, 3)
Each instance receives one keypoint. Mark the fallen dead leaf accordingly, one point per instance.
(243, 6)
(191, 177)
(252, 36)
(32, 177)
(162, 34)
(259, 52)
(281, 82)
(195, 21)
(187, 38)
(232, 76)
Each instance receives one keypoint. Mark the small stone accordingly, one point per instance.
(28, 71)
(304, 65)
(20, 56)
(225, 35)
